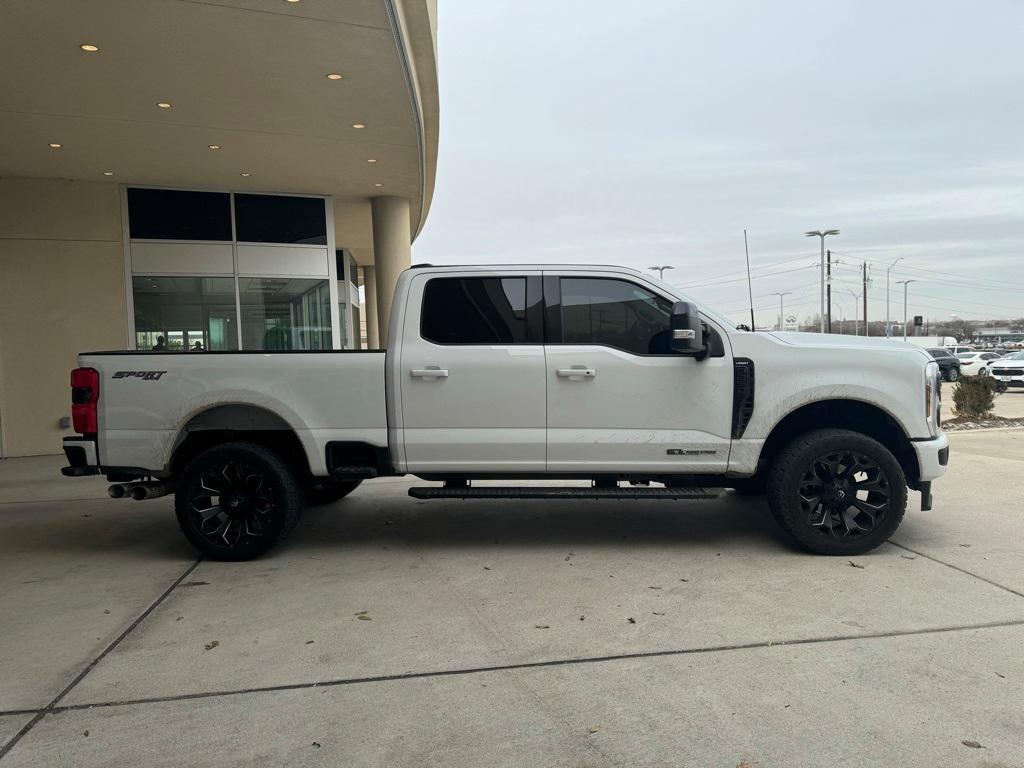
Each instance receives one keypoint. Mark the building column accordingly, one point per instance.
(370, 307)
(392, 253)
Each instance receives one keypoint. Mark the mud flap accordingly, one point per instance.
(926, 496)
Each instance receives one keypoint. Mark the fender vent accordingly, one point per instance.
(742, 395)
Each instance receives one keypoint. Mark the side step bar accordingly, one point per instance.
(561, 492)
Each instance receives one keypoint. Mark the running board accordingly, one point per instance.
(561, 492)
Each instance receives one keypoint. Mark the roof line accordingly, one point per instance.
(410, 82)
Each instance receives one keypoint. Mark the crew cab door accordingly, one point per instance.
(472, 373)
(618, 399)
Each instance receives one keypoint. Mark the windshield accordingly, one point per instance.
(939, 353)
(1015, 356)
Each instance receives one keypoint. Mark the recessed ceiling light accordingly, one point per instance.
(214, 146)
(358, 125)
(378, 184)
(246, 173)
(108, 173)
(164, 104)
(371, 161)
(54, 145)
(333, 76)
(90, 47)
(291, 1)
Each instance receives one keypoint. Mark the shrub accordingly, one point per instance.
(974, 396)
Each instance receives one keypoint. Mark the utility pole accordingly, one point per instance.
(866, 332)
(782, 316)
(828, 287)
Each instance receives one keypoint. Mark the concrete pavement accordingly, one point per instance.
(568, 633)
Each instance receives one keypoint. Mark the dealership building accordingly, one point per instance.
(203, 176)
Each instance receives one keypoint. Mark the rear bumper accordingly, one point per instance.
(932, 457)
(82, 457)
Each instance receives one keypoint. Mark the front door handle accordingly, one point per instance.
(430, 372)
(576, 372)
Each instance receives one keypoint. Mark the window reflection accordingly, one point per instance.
(175, 314)
(285, 313)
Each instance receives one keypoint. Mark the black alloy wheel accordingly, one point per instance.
(844, 494)
(837, 492)
(236, 501)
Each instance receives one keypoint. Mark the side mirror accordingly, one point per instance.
(687, 330)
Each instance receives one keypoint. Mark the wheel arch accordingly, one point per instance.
(231, 422)
(859, 416)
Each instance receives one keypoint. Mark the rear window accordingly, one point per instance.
(939, 353)
(474, 310)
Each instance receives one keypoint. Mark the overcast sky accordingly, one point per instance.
(654, 132)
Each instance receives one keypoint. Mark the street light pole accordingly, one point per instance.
(782, 315)
(888, 271)
(905, 284)
(856, 311)
(661, 270)
(822, 234)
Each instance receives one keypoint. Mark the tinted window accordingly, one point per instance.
(172, 214)
(271, 219)
(615, 313)
(475, 310)
(937, 353)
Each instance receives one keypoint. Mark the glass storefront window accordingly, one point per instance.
(174, 214)
(285, 313)
(280, 219)
(179, 313)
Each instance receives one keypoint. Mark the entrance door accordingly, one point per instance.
(472, 374)
(618, 399)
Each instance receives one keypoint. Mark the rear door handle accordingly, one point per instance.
(576, 372)
(430, 372)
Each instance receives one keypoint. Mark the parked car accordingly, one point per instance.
(976, 363)
(949, 365)
(1009, 370)
(959, 349)
(599, 374)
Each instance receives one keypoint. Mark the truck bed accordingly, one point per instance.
(148, 398)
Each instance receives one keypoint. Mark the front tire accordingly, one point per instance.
(837, 492)
(236, 501)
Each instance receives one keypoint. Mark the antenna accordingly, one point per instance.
(750, 287)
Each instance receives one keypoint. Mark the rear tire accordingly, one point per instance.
(236, 501)
(952, 374)
(837, 492)
(329, 492)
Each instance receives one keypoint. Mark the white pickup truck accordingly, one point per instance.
(596, 374)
